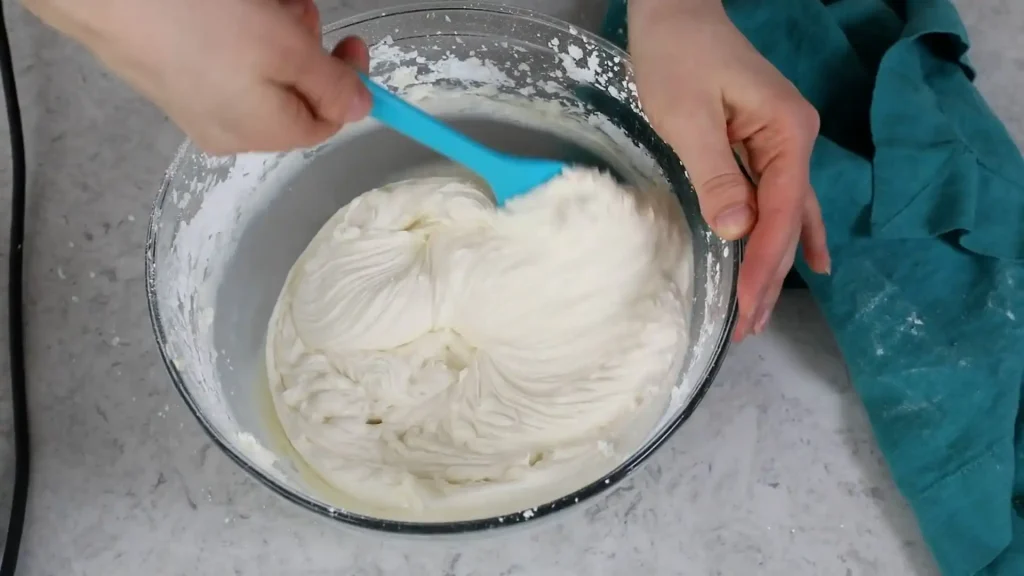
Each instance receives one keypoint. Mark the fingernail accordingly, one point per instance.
(734, 222)
(821, 264)
(762, 321)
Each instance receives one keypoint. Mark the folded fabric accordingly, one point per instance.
(922, 190)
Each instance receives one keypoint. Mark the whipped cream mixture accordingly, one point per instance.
(430, 354)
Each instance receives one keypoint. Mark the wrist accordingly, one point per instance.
(644, 9)
(676, 2)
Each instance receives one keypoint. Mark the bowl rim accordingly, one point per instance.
(489, 523)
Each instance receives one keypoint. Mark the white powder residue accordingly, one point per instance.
(256, 451)
(215, 209)
(589, 63)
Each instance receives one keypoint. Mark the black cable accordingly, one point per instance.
(19, 401)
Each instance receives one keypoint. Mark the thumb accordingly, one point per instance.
(333, 89)
(727, 197)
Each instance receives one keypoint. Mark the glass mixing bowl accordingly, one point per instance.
(225, 231)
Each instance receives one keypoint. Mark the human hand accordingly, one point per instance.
(706, 90)
(235, 75)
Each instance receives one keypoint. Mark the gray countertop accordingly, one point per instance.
(776, 473)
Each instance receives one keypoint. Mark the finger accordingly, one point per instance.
(292, 123)
(726, 196)
(756, 303)
(353, 51)
(772, 244)
(814, 238)
(727, 199)
(332, 88)
(774, 289)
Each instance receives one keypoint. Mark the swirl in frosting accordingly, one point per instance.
(435, 358)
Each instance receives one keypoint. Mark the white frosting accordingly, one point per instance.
(429, 353)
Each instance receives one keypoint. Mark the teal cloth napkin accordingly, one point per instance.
(922, 190)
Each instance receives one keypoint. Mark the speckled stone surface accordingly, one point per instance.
(776, 474)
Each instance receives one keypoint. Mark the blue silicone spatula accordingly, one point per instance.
(508, 176)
